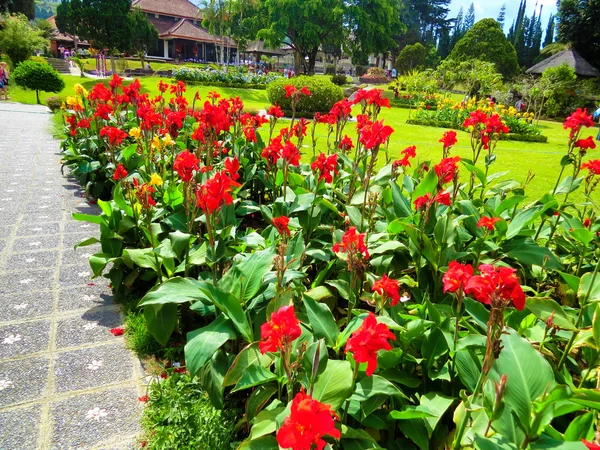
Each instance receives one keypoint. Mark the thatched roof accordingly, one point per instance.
(171, 8)
(570, 57)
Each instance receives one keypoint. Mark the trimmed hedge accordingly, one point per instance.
(261, 87)
(504, 137)
(324, 94)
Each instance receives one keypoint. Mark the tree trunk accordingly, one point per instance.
(37, 96)
(312, 58)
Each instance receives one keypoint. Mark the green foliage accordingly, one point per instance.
(18, 39)
(44, 27)
(323, 95)
(179, 415)
(477, 77)
(54, 103)
(412, 57)
(329, 69)
(561, 83)
(38, 77)
(25, 7)
(139, 338)
(144, 36)
(486, 42)
(577, 24)
(339, 80)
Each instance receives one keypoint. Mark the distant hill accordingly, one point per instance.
(45, 8)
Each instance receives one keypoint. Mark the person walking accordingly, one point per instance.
(4, 75)
(596, 116)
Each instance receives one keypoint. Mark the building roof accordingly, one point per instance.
(174, 8)
(184, 29)
(60, 37)
(260, 47)
(570, 57)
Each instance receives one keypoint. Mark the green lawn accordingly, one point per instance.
(518, 158)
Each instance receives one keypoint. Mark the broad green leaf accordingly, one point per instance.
(180, 243)
(91, 218)
(596, 326)
(99, 261)
(334, 385)
(175, 290)
(249, 356)
(582, 427)
(211, 378)
(584, 288)
(141, 257)
(265, 422)
(416, 430)
(571, 280)
(468, 367)
(120, 200)
(411, 412)
(161, 321)
(552, 444)
(375, 385)
(204, 342)
(529, 374)
(262, 443)
(244, 279)
(544, 308)
(254, 375)
(527, 252)
(437, 404)
(321, 320)
(495, 442)
(523, 218)
(427, 185)
(258, 399)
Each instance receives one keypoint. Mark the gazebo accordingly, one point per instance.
(258, 48)
(572, 58)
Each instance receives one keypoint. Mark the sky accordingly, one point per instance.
(491, 8)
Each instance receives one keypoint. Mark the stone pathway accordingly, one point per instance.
(65, 381)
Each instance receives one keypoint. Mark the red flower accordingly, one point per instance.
(457, 276)
(388, 288)
(144, 192)
(178, 88)
(493, 124)
(326, 165)
(488, 222)
(449, 139)
(185, 164)
(179, 370)
(578, 119)
(446, 169)
(374, 134)
(474, 119)
(305, 91)
(162, 86)
(346, 144)
(289, 90)
(281, 224)
(409, 152)
(83, 123)
(291, 154)
(275, 111)
(144, 398)
(586, 144)
(496, 286)
(308, 422)
(120, 173)
(281, 330)
(215, 193)
(424, 200)
(367, 340)
(352, 243)
(341, 110)
(443, 198)
(114, 135)
(117, 331)
(115, 82)
(590, 445)
(587, 222)
(593, 166)
(232, 166)
(103, 110)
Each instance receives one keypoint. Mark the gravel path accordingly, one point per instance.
(65, 381)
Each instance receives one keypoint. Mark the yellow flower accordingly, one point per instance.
(156, 142)
(73, 101)
(135, 133)
(80, 90)
(156, 180)
(63, 106)
(167, 140)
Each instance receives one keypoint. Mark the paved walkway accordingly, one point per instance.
(65, 381)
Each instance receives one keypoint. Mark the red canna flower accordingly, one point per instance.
(388, 288)
(496, 286)
(144, 398)
(326, 165)
(585, 144)
(488, 222)
(341, 110)
(115, 82)
(352, 243)
(367, 340)
(162, 86)
(120, 173)
(593, 166)
(373, 134)
(281, 330)
(117, 331)
(291, 154)
(578, 119)
(449, 139)
(143, 193)
(281, 224)
(275, 111)
(232, 167)
(457, 276)
(83, 123)
(103, 110)
(114, 135)
(443, 198)
(446, 169)
(185, 164)
(475, 118)
(587, 222)
(590, 445)
(346, 144)
(410, 152)
(308, 422)
(305, 91)
(289, 90)
(422, 201)
(215, 193)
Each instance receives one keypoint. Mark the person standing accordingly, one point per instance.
(4, 75)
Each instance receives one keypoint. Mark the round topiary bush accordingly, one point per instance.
(324, 94)
(339, 80)
(38, 77)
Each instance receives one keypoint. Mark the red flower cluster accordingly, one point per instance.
(275, 111)
(585, 144)
(449, 139)
(578, 119)
(113, 134)
(281, 330)
(388, 288)
(496, 285)
(232, 167)
(341, 110)
(371, 97)
(144, 192)
(488, 222)
(446, 169)
(373, 134)
(442, 197)
(215, 193)
(281, 224)
(308, 422)
(367, 340)
(408, 152)
(352, 243)
(346, 144)
(326, 165)
(120, 173)
(291, 90)
(457, 276)
(185, 164)
(593, 166)
(475, 118)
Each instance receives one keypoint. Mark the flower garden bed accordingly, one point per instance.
(344, 305)
(211, 77)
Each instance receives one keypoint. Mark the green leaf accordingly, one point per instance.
(495, 442)
(437, 404)
(254, 375)
(175, 290)
(529, 375)
(141, 257)
(120, 200)
(582, 427)
(568, 185)
(596, 325)
(258, 399)
(468, 367)
(180, 242)
(527, 252)
(204, 342)
(571, 280)
(334, 385)
(91, 218)
(211, 378)
(244, 279)
(321, 320)
(552, 444)
(401, 203)
(411, 412)
(265, 422)
(99, 261)
(161, 321)
(544, 308)
(262, 443)
(249, 356)
(375, 385)
(427, 185)
(523, 218)
(584, 288)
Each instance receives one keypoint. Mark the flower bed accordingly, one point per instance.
(237, 79)
(342, 304)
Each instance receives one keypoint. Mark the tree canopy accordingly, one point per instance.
(18, 39)
(144, 35)
(486, 42)
(579, 25)
(38, 76)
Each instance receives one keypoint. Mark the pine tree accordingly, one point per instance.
(549, 39)
(469, 18)
(458, 31)
(502, 16)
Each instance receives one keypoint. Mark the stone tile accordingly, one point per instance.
(84, 297)
(93, 367)
(90, 327)
(89, 420)
(24, 380)
(25, 281)
(19, 428)
(71, 240)
(32, 229)
(77, 226)
(32, 260)
(19, 306)
(75, 276)
(37, 217)
(2, 245)
(79, 255)
(5, 231)
(24, 338)
(27, 244)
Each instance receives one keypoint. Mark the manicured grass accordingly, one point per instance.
(518, 158)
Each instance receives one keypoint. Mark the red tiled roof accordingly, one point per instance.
(58, 36)
(173, 8)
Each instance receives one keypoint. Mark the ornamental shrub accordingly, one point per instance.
(54, 103)
(38, 77)
(339, 80)
(323, 95)
(330, 69)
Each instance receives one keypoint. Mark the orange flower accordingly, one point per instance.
(488, 222)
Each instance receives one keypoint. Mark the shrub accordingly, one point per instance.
(19, 40)
(412, 57)
(340, 79)
(360, 71)
(230, 79)
(54, 103)
(329, 69)
(38, 77)
(323, 95)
